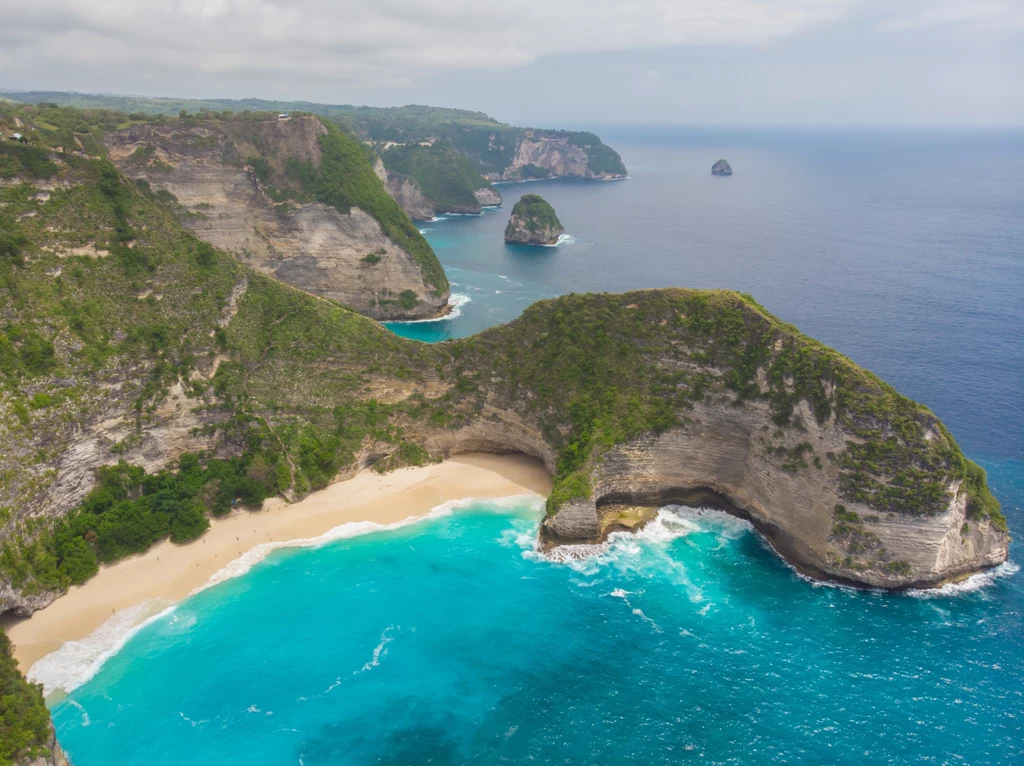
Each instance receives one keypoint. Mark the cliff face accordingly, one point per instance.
(431, 177)
(163, 352)
(344, 257)
(406, 192)
(719, 459)
(533, 222)
(522, 231)
(556, 155)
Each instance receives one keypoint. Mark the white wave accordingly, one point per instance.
(971, 584)
(563, 239)
(624, 595)
(438, 219)
(78, 661)
(381, 650)
(85, 716)
(253, 556)
(422, 231)
(456, 301)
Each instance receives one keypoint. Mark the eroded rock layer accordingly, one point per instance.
(214, 167)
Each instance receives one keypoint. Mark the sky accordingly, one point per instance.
(545, 62)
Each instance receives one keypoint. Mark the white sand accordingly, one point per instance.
(168, 572)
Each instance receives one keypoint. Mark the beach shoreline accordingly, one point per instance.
(168, 573)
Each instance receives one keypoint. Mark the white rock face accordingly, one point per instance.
(554, 154)
(718, 459)
(308, 245)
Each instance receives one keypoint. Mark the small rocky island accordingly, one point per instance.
(533, 222)
(721, 168)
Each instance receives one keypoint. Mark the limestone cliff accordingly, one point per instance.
(533, 222)
(488, 197)
(406, 192)
(556, 154)
(231, 179)
(200, 372)
(432, 174)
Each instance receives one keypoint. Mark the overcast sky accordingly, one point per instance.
(545, 62)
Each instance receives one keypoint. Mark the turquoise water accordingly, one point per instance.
(449, 641)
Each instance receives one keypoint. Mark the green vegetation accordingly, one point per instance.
(444, 175)
(536, 213)
(345, 179)
(488, 144)
(50, 126)
(24, 719)
(603, 369)
(113, 314)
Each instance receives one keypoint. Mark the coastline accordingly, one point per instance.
(168, 573)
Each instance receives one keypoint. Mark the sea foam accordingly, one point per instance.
(456, 301)
(563, 239)
(76, 662)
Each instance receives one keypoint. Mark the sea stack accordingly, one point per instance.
(533, 222)
(721, 168)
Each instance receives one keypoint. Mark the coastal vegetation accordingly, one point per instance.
(24, 719)
(444, 175)
(533, 221)
(489, 145)
(345, 179)
(174, 384)
(537, 212)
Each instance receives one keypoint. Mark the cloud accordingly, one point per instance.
(368, 42)
(1001, 14)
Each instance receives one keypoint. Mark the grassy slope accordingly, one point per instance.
(345, 177)
(444, 175)
(537, 212)
(489, 144)
(309, 384)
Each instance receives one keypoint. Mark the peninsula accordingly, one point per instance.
(154, 375)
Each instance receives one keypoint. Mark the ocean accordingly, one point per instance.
(450, 641)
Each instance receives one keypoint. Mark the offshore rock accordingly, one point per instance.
(721, 168)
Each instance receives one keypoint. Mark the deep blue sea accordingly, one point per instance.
(449, 641)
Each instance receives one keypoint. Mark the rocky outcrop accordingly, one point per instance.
(721, 168)
(343, 257)
(541, 154)
(718, 459)
(406, 192)
(488, 197)
(533, 222)
(420, 207)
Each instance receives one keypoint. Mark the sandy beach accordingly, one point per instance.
(168, 572)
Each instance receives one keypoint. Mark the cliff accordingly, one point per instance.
(498, 151)
(406, 192)
(149, 380)
(560, 154)
(433, 175)
(533, 222)
(242, 187)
